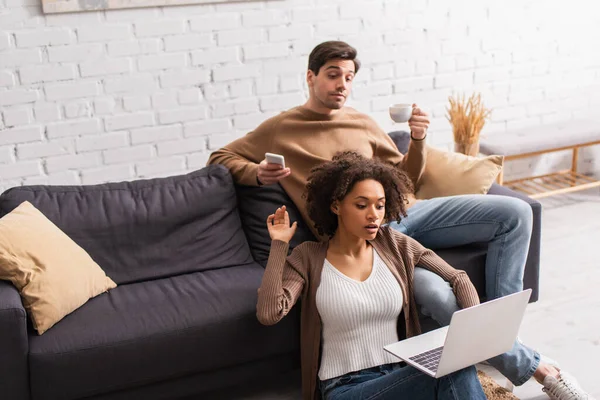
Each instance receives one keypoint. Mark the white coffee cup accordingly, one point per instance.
(401, 112)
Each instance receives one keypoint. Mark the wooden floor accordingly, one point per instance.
(564, 324)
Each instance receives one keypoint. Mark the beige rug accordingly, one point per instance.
(493, 390)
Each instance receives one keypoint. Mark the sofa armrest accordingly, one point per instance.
(14, 344)
(531, 278)
(504, 191)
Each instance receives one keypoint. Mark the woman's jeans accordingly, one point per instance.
(398, 381)
(505, 223)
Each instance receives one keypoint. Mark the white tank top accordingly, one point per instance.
(358, 318)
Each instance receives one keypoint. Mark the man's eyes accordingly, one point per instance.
(348, 78)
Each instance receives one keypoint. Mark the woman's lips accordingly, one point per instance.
(372, 228)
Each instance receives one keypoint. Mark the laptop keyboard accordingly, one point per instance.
(429, 359)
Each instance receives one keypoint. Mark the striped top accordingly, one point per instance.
(359, 318)
(286, 279)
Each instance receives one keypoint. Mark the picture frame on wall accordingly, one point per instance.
(67, 6)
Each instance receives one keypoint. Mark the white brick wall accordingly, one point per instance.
(102, 142)
(7, 79)
(105, 67)
(157, 134)
(21, 135)
(43, 37)
(103, 33)
(139, 83)
(133, 47)
(184, 78)
(72, 128)
(190, 41)
(45, 149)
(182, 114)
(47, 73)
(112, 95)
(72, 90)
(17, 116)
(128, 154)
(75, 53)
(18, 96)
(6, 154)
(128, 121)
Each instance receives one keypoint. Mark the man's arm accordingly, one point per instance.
(243, 155)
(416, 156)
(413, 162)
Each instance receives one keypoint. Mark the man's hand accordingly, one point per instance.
(418, 123)
(271, 173)
(279, 225)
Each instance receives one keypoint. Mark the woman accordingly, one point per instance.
(356, 286)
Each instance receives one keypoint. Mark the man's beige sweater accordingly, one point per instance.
(306, 139)
(287, 279)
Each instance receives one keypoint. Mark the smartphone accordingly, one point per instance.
(275, 159)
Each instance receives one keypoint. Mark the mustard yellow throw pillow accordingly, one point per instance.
(449, 174)
(51, 272)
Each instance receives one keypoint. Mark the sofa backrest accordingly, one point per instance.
(147, 229)
(255, 204)
(401, 140)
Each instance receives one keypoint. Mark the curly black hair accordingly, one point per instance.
(334, 179)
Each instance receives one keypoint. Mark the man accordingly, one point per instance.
(312, 133)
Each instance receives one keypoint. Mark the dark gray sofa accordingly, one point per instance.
(182, 320)
(186, 254)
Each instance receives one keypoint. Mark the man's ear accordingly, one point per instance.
(309, 77)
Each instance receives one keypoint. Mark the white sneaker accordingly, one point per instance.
(564, 388)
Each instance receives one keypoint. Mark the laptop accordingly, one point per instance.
(475, 334)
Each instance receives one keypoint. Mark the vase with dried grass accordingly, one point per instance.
(467, 117)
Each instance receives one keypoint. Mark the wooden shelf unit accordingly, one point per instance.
(565, 181)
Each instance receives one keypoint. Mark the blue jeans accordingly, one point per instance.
(398, 381)
(505, 223)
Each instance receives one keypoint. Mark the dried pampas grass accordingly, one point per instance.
(467, 117)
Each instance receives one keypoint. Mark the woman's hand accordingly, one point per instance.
(279, 225)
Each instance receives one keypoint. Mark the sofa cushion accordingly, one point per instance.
(54, 276)
(147, 229)
(255, 204)
(450, 174)
(146, 332)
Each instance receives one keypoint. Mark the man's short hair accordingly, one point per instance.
(332, 50)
